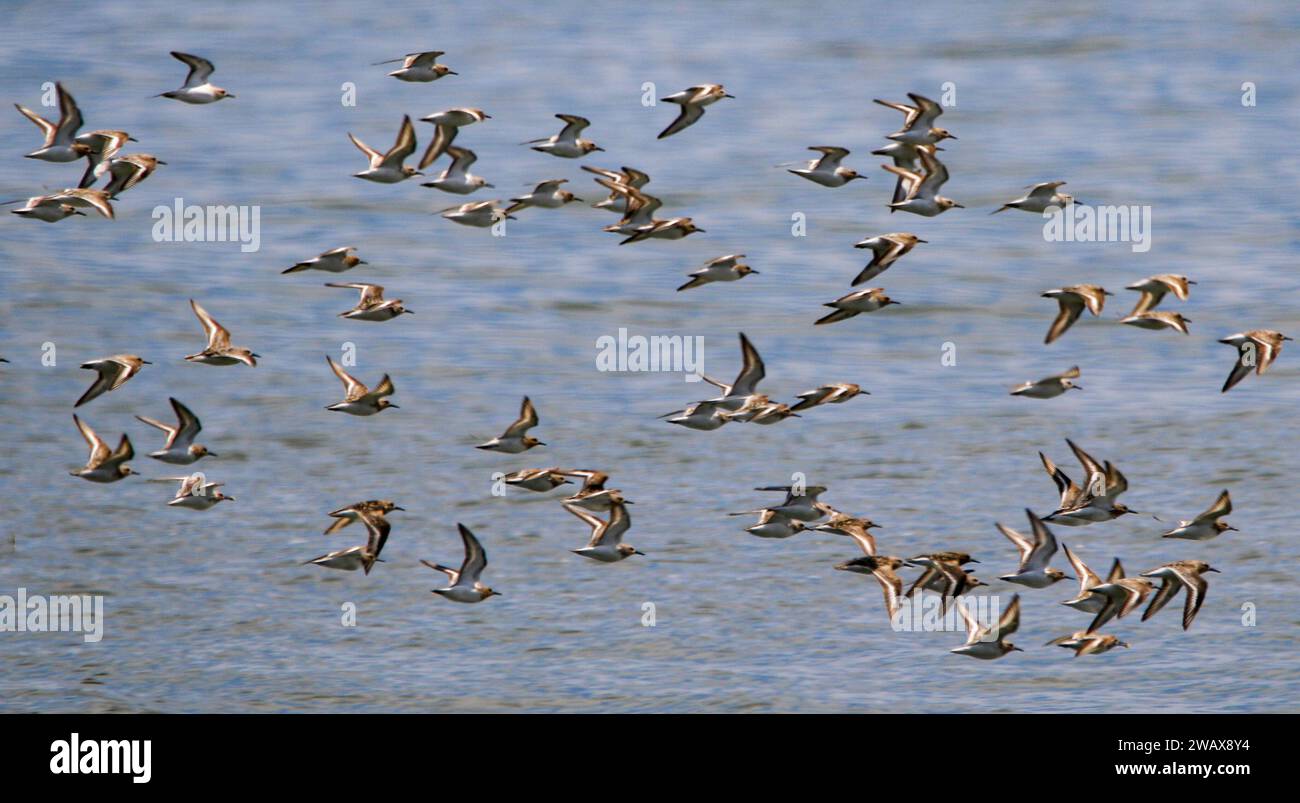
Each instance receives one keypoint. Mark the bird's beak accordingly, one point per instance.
(923, 241)
(754, 272)
(539, 443)
(1013, 649)
(213, 454)
(146, 362)
(579, 200)
(972, 560)
(395, 507)
(700, 230)
(952, 136)
(628, 502)
(230, 498)
(1234, 529)
(394, 406)
(1077, 387)
(637, 552)
(1212, 569)
(132, 139)
(963, 206)
(161, 162)
(452, 72)
(493, 186)
(726, 95)
(362, 262)
(598, 148)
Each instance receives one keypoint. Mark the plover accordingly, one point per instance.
(918, 124)
(372, 509)
(447, 125)
(218, 351)
(60, 144)
(359, 399)
(727, 268)
(197, 87)
(1034, 555)
(908, 157)
(1206, 525)
(1039, 198)
(47, 208)
(605, 543)
(103, 465)
(858, 529)
(886, 249)
(536, 479)
(1158, 320)
(457, 178)
(1119, 597)
(1072, 300)
(465, 585)
(335, 260)
(362, 556)
(988, 643)
(372, 306)
(671, 229)
(127, 171)
(195, 493)
(479, 214)
(1085, 643)
(800, 502)
(1095, 500)
(419, 67)
(627, 177)
(1085, 600)
(856, 303)
(112, 374)
(692, 100)
(883, 569)
(387, 168)
(1154, 289)
(1176, 575)
(826, 171)
(774, 525)
(836, 393)
(567, 143)
(348, 560)
(923, 196)
(1256, 349)
(102, 146)
(180, 448)
(593, 495)
(703, 415)
(546, 195)
(515, 439)
(638, 209)
(1049, 387)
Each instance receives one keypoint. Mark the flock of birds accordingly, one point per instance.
(919, 177)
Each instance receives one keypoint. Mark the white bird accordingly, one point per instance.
(1039, 198)
(1159, 320)
(103, 465)
(194, 493)
(515, 439)
(197, 87)
(727, 268)
(419, 67)
(886, 249)
(218, 351)
(1207, 524)
(567, 143)
(61, 143)
(546, 195)
(923, 196)
(1049, 387)
(447, 125)
(112, 374)
(606, 544)
(180, 448)
(457, 178)
(335, 260)
(479, 214)
(1034, 555)
(988, 643)
(692, 100)
(856, 303)
(359, 399)
(465, 585)
(918, 124)
(372, 306)
(826, 171)
(387, 168)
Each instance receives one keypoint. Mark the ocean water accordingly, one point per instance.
(213, 611)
